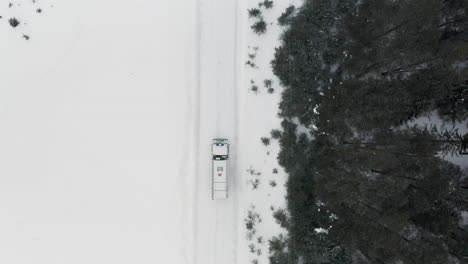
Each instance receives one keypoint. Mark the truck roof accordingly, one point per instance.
(219, 171)
(219, 184)
(220, 149)
(220, 152)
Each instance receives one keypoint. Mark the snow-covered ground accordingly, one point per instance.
(258, 115)
(94, 114)
(107, 112)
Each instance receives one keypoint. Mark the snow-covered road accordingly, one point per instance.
(215, 223)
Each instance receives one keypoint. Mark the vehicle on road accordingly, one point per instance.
(220, 152)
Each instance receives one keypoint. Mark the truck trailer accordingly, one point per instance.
(220, 153)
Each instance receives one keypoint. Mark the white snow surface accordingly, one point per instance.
(94, 124)
(434, 119)
(107, 113)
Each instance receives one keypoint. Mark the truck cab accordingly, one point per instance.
(220, 153)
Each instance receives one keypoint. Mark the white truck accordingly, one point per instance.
(220, 152)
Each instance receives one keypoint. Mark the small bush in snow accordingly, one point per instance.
(254, 12)
(251, 234)
(255, 183)
(249, 225)
(259, 240)
(254, 88)
(277, 244)
(13, 22)
(268, 83)
(252, 215)
(272, 183)
(251, 64)
(252, 172)
(265, 141)
(281, 218)
(286, 16)
(251, 61)
(266, 3)
(275, 134)
(255, 261)
(250, 221)
(252, 248)
(259, 27)
(275, 171)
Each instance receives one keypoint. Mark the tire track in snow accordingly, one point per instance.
(196, 130)
(190, 152)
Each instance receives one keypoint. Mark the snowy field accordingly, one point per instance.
(94, 112)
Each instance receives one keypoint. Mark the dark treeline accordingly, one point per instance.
(355, 73)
